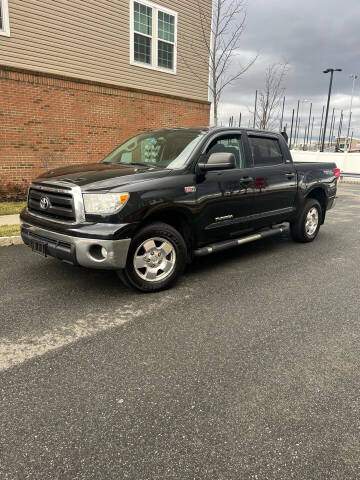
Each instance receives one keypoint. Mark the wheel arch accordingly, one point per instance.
(178, 219)
(319, 194)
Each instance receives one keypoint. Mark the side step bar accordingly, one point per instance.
(218, 247)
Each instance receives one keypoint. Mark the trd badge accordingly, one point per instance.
(190, 189)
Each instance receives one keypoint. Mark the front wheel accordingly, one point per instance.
(156, 258)
(307, 226)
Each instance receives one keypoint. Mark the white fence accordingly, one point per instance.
(347, 162)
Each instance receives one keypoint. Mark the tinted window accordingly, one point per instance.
(265, 151)
(231, 144)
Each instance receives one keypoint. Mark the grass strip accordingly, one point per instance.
(11, 208)
(9, 230)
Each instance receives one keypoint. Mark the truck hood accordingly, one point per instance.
(95, 176)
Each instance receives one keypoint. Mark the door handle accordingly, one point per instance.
(246, 179)
(290, 175)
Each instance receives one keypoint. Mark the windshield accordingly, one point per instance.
(162, 148)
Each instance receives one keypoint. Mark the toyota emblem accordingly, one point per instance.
(44, 203)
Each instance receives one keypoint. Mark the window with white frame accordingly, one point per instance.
(153, 31)
(4, 18)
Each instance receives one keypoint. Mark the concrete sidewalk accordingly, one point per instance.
(9, 220)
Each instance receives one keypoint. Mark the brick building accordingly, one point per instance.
(78, 77)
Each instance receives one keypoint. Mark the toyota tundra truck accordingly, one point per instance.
(165, 196)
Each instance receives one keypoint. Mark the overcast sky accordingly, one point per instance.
(310, 35)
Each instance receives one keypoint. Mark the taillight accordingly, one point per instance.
(337, 173)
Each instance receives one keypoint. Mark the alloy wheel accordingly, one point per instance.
(155, 259)
(312, 221)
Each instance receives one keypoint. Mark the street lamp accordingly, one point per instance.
(354, 78)
(331, 70)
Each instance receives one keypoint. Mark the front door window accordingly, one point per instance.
(230, 144)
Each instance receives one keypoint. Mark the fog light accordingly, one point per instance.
(98, 252)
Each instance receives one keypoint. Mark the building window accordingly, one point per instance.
(142, 49)
(153, 32)
(4, 18)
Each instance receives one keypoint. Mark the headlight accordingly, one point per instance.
(104, 203)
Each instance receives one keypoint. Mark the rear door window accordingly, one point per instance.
(266, 151)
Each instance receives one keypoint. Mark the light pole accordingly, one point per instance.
(300, 115)
(332, 124)
(331, 70)
(321, 124)
(296, 121)
(354, 78)
(339, 131)
(254, 121)
(282, 115)
(291, 132)
(306, 138)
(312, 128)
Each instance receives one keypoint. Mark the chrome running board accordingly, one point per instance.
(218, 247)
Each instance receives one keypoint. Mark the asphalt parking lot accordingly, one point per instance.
(248, 369)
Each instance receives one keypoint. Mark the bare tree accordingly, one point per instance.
(222, 44)
(269, 99)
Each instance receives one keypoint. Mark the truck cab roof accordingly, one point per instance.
(219, 129)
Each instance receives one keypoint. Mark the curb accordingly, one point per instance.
(7, 241)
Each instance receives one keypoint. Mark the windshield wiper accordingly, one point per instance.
(141, 164)
(128, 163)
(147, 165)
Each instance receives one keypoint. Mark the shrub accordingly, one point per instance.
(13, 191)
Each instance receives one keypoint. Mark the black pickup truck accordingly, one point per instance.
(165, 196)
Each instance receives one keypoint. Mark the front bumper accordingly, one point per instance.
(86, 252)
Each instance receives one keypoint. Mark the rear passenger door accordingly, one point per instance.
(275, 182)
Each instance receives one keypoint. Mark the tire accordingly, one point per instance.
(157, 257)
(307, 226)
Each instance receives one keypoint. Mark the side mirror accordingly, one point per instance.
(219, 161)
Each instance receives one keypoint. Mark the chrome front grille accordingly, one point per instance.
(56, 202)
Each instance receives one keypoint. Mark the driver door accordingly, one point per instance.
(224, 197)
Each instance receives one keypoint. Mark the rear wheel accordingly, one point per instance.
(156, 258)
(307, 226)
